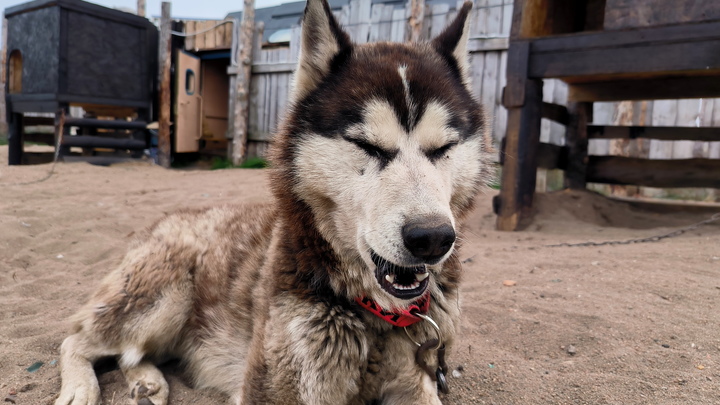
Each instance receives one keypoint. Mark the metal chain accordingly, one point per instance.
(655, 238)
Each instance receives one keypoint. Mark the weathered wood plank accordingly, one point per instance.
(241, 112)
(556, 112)
(551, 156)
(164, 63)
(659, 58)
(577, 143)
(397, 32)
(479, 15)
(623, 14)
(520, 158)
(662, 133)
(494, 17)
(189, 26)
(634, 38)
(487, 44)
(415, 19)
(518, 59)
(646, 89)
(439, 19)
(375, 19)
(500, 126)
(507, 15)
(274, 67)
(3, 74)
(654, 173)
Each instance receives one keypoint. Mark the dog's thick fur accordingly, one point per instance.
(382, 140)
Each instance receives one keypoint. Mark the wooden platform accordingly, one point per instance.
(671, 56)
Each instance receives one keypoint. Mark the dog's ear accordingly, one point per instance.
(321, 41)
(452, 43)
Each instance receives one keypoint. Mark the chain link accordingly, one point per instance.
(656, 238)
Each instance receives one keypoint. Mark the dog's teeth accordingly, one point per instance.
(421, 277)
(390, 278)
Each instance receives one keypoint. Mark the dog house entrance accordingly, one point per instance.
(15, 72)
(201, 102)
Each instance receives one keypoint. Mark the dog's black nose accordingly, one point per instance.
(428, 239)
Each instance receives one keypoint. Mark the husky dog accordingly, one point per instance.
(304, 301)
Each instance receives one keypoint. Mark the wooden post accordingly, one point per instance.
(141, 8)
(3, 74)
(415, 20)
(576, 140)
(241, 112)
(165, 58)
(520, 159)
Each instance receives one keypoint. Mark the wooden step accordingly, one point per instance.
(99, 160)
(88, 141)
(96, 123)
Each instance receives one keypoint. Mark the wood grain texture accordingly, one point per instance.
(164, 116)
(623, 14)
(654, 173)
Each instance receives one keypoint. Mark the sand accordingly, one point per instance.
(629, 324)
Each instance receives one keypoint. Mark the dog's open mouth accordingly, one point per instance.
(402, 282)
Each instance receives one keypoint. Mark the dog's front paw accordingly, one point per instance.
(79, 392)
(147, 384)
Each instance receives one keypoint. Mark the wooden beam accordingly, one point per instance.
(164, 144)
(517, 14)
(4, 115)
(576, 139)
(646, 89)
(520, 160)
(662, 133)
(654, 173)
(700, 57)
(685, 33)
(241, 111)
(15, 138)
(97, 123)
(689, 48)
(261, 68)
(551, 156)
(487, 44)
(517, 65)
(556, 112)
(624, 14)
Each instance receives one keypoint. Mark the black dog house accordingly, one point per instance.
(70, 52)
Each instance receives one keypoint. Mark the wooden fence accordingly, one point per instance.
(367, 22)
(490, 27)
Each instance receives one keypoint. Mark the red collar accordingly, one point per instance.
(398, 317)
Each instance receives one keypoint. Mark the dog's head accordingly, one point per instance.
(384, 145)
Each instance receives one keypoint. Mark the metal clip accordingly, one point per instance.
(433, 344)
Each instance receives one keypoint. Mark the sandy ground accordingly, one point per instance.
(632, 324)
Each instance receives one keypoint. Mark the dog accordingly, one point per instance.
(344, 290)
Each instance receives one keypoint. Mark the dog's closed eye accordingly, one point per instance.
(374, 151)
(436, 154)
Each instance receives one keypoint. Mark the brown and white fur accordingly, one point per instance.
(379, 159)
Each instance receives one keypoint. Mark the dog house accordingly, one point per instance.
(65, 53)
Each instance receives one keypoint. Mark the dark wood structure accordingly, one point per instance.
(606, 50)
(70, 52)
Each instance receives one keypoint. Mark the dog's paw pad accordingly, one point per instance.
(142, 391)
